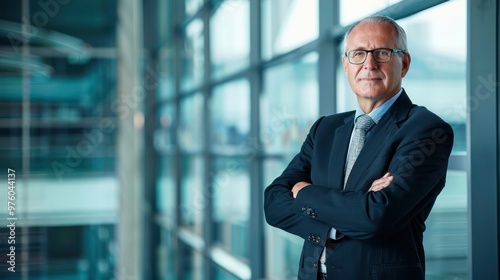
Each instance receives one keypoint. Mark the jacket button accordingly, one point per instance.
(318, 239)
(315, 265)
(314, 215)
(303, 209)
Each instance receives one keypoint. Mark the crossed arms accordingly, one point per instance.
(391, 201)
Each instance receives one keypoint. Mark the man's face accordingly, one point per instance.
(375, 81)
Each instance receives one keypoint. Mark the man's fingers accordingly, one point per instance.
(382, 182)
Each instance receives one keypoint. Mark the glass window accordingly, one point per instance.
(192, 264)
(437, 76)
(165, 131)
(163, 79)
(230, 115)
(167, 255)
(231, 200)
(166, 192)
(287, 25)
(192, 55)
(437, 80)
(222, 274)
(283, 249)
(445, 239)
(165, 21)
(230, 37)
(353, 10)
(192, 6)
(194, 197)
(191, 123)
(289, 104)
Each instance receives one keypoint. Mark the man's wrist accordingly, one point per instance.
(299, 186)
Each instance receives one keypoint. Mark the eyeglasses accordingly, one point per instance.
(381, 55)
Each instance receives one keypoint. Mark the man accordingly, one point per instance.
(362, 216)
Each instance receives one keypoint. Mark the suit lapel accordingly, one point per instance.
(339, 152)
(386, 127)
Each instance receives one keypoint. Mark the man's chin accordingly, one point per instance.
(372, 95)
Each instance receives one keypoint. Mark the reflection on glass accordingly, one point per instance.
(194, 198)
(353, 10)
(164, 133)
(283, 249)
(288, 25)
(191, 123)
(289, 104)
(437, 80)
(192, 55)
(230, 37)
(230, 109)
(165, 192)
(231, 200)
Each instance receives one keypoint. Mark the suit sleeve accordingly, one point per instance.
(419, 168)
(279, 202)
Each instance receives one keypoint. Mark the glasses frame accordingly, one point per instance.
(346, 54)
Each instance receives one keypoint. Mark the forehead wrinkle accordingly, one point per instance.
(377, 35)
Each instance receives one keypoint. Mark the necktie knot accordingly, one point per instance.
(364, 122)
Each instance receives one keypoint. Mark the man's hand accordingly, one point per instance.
(298, 186)
(377, 185)
(381, 183)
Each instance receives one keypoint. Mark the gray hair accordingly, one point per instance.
(400, 32)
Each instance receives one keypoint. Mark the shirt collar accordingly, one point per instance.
(377, 113)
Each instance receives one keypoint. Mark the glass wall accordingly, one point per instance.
(239, 125)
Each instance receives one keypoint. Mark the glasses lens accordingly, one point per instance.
(382, 55)
(356, 56)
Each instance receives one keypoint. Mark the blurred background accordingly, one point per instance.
(142, 133)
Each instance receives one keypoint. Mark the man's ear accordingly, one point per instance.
(344, 64)
(406, 64)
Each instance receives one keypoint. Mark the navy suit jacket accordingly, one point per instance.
(384, 229)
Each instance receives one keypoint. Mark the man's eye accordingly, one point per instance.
(356, 54)
(383, 53)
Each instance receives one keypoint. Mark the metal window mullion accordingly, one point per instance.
(254, 158)
(328, 58)
(482, 138)
(151, 228)
(207, 158)
(178, 40)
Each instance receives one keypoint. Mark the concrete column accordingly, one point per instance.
(130, 119)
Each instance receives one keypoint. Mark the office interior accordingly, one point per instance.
(142, 133)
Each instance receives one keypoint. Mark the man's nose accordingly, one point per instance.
(370, 62)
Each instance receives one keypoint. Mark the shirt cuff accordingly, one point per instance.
(334, 234)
